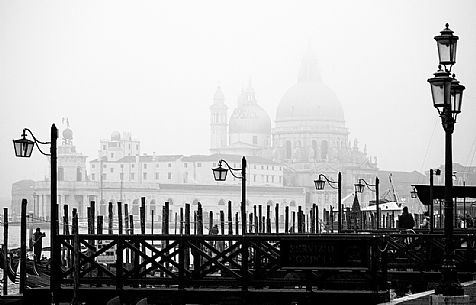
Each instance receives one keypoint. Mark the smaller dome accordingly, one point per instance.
(115, 136)
(67, 134)
(250, 118)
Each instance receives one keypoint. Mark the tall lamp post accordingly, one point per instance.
(23, 148)
(219, 174)
(359, 188)
(321, 182)
(447, 96)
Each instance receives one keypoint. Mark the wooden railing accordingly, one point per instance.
(424, 252)
(233, 261)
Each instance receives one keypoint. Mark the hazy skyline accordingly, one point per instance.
(151, 68)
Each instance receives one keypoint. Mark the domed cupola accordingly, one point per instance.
(115, 136)
(310, 99)
(249, 117)
(68, 134)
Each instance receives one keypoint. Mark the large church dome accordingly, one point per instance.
(310, 99)
(249, 117)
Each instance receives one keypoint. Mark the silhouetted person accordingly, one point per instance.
(405, 221)
(469, 221)
(38, 244)
(425, 224)
(214, 230)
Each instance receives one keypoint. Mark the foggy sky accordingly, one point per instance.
(152, 67)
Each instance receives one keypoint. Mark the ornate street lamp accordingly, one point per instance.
(414, 193)
(359, 188)
(446, 43)
(320, 183)
(23, 148)
(447, 96)
(219, 173)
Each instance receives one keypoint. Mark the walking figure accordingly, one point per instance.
(406, 221)
(38, 244)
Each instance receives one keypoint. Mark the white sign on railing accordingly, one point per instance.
(109, 256)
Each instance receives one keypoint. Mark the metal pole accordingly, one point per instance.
(243, 195)
(431, 201)
(55, 261)
(377, 202)
(449, 285)
(339, 202)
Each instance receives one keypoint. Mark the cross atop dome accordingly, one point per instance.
(309, 70)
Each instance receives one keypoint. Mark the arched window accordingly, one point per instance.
(270, 202)
(324, 149)
(60, 174)
(221, 202)
(314, 149)
(79, 174)
(135, 207)
(195, 201)
(170, 201)
(288, 150)
(292, 203)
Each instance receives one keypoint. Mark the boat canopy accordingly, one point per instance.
(423, 192)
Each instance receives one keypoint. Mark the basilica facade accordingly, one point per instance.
(309, 136)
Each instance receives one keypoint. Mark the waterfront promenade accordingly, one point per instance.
(423, 298)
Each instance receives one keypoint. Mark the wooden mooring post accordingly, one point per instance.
(5, 251)
(22, 247)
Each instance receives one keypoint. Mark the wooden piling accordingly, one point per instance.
(126, 223)
(293, 228)
(250, 223)
(152, 212)
(210, 222)
(286, 219)
(119, 217)
(236, 223)
(5, 251)
(299, 220)
(200, 219)
(22, 247)
(76, 252)
(222, 222)
(100, 224)
(268, 219)
(254, 219)
(276, 217)
(142, 216)
(64, 253)
(181, 221)
(111, 219)
(260, 218)
(187, 232)
(230, 219)
(318, 225)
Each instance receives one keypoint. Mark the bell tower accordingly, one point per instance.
(71, 164)
(218, 122)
